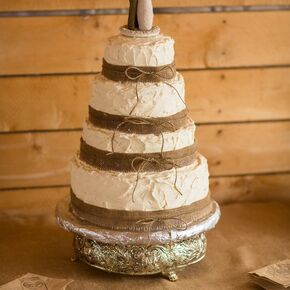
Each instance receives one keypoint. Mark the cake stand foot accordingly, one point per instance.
(171, 275)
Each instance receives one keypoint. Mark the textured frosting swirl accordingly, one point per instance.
(138, 143)
(137, 51)
(155, 99)
(154, 191)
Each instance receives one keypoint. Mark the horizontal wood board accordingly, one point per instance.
(45, 45)
(251, 188)
(24, 5)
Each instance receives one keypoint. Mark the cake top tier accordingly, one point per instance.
(136, 50)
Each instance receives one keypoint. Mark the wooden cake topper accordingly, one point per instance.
(140, 15)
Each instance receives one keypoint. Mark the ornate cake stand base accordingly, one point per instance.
(136, 253)
(167, 259)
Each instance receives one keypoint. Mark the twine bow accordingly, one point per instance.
(168, 125)
(181, 225)
(135, 73)
(162, 163)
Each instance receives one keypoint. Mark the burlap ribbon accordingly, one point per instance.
(137, 125)
(121, 73)
(143, 221)
(136, 162)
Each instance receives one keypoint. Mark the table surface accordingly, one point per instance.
(248, 236)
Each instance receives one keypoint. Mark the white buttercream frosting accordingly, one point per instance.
(137, 51)
(138, 143)
(154, 191)
(155, 99)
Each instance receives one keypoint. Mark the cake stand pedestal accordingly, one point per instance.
(136, 253)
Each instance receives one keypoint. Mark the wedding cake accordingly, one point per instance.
(139, 199)
(138, 157)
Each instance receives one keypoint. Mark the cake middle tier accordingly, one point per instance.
(145, 191)
(123, 142)
(146, 100)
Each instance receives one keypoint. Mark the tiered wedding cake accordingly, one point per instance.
(138, 150)
(139, 201)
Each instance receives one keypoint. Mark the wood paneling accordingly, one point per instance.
(238, 95)
(246, 148)
(19, 5)
(250, 54)
(251, 188)
(36, 159)
(39, 103)
(36, 198)
(58, 102)
(42, 158)
(40, 45)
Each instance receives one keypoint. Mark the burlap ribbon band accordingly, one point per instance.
(143, 221)
(133, 162)
(138, 73)
(137, 125)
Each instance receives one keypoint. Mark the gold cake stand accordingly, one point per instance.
(136, 253)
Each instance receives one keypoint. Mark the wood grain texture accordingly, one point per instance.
(223, 189)
(42, 159)
(60, 102)
(40, 45)
(36, 159)
(40, 103)
(20, 5)
(43, 199)
(246, 148)
(251, 188)
(238, 95)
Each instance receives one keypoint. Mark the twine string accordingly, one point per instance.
(128, 120)
(134, 73)
(138, 99)
(162, 163)
(141, 74)
(178, 94)
(181, 225)
(143, 121)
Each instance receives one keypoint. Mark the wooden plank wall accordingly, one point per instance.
(234, 55)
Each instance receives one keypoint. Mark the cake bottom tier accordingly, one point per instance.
(146, 191)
